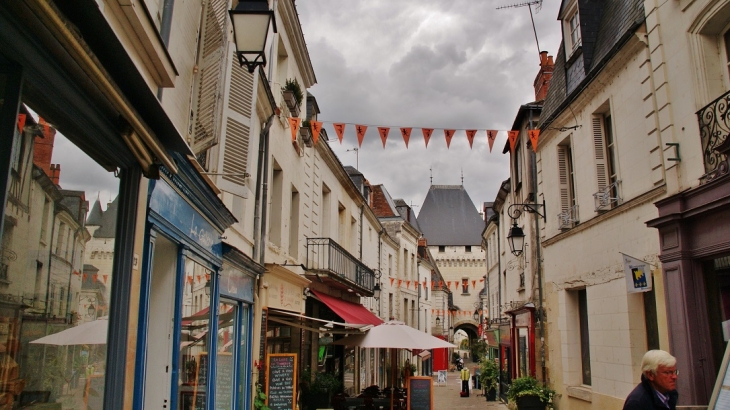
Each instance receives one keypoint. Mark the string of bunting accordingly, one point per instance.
(449, 284)
(405, 132)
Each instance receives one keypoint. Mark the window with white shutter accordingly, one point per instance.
(568, 215)
(604, 146)
(210, 76)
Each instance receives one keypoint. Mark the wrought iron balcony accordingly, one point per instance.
(608, 197)
(328, 260)
(568, 218)
(714, 122)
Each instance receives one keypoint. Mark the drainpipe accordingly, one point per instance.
(362, 210)
(540, 312)
(262, 178)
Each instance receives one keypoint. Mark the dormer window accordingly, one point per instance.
(571, 29)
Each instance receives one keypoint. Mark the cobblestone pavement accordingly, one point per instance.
(446, 397)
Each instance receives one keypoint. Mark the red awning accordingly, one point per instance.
(352, 313)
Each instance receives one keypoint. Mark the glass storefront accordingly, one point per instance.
(55, 271)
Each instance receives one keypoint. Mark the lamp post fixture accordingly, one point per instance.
(251, 20)
(516, 240)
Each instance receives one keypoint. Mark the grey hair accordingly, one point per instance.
(655, 358)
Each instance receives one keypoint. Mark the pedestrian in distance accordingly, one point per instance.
(465, 382)
(658, 387)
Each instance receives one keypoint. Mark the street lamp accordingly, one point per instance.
(476, 316)
(376, 288)
(250, 28)
(438, 321)
(207, 288)
(91, 310)
(516, 236)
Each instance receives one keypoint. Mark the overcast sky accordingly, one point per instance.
(459, 64)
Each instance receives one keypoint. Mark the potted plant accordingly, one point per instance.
(293, 95)
(318, 394)
(489, 377)
(259, 401)
(305, 131)
(527, 393)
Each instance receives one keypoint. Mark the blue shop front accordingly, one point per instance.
(196, 307)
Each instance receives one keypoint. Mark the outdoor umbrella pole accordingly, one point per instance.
(393, 365)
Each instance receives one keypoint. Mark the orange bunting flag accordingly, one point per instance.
(534, 134)
(448, 284)
(207, 276)
(198, 278)
(190, 280)
(316, 127)
(481, 280)
(441, 284)
(448, 134)
(470, 136)
(474, 284)
(340, 130)
(21, 122)
(427, 134)
(294, 125)
(433, 284)
(105, 277)
(399, 282)
(512, 139)
(408, 284)
(86, 275)
(383, 131)
(425, 284)
(94, 277)
(406, 133)
(491, 136)
(361, 129)
(432, 311)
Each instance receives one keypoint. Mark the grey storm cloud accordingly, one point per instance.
(459, 64)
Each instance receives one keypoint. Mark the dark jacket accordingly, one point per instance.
(643, 397)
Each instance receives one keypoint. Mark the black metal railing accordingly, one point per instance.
(714, 122)
(327, 255)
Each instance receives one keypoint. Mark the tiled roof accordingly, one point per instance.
(448, 217)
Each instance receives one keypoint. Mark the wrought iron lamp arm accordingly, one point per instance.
(516, 210)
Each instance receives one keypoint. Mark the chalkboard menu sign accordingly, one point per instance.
(224, 381)
(201, 380)
(281, 388)
(420, 393)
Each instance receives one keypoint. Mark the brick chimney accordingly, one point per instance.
(542, 81)
(43, 151)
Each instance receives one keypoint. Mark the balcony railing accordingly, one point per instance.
(568, 218)
(714, 122)
(608, 197)
(324, 254)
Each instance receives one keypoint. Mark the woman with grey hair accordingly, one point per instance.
(658, 387)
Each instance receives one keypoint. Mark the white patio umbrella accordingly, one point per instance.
(395, 335)
(89, 333)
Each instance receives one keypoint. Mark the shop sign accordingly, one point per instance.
(234, 283)
(284, 295)
(175, 209)
(523, 320)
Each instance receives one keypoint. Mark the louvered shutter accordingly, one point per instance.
(563, 178)
(600, 153)
(210, 76)
(240, 102)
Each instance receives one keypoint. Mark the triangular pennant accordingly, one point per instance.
(491, 136)
(21, 122)
(474, 284)
(481, 280)
(340, 130)
(361, 130)
(391, 281)
(534, 135)
(433, 284)
(427, 134)
(86, 275)
(406, 133)
(408, 284)
(316, 127)
(512, 139)
(448, 284)
(470, 136)
(106, 277)
(425, 284)
(294, 125)
(94, 277)
(441, 284)
(383, 131)
(198, 278)
(399, 282)
(190, 280)
(207, 276)
(449, 134)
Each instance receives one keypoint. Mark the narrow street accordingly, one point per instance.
(447, 396)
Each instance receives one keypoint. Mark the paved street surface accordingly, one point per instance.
(446, 397)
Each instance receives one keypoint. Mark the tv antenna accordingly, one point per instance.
(357, 157)
(528, 4)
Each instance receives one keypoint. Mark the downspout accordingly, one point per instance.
(264, 198)
(257, 229)
(540, 312)
(362, 210)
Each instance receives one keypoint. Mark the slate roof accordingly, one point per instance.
(95, 214)
(605, 27)
(108, 223)
(448, 217)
